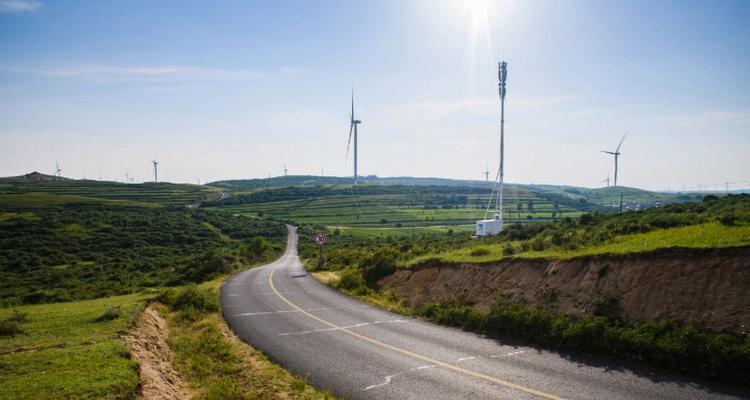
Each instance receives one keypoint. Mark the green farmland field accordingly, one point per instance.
(399, 206)
(168, 194)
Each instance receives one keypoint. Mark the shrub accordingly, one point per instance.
(191, 298)
(19, 316)
(10, 328)
(379, 264)
(257, 246)
(479, 252)
(109, 314)
(351, 279)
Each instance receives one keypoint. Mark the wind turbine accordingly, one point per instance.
(486, 174)
(58, 171)
(155, 169)
(353, 128)
(284, 169)
(606, 180)
(616, 153)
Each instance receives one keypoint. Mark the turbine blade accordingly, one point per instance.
(608, 152)
(621, 140)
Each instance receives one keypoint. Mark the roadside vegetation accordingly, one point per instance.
(716, 222)
(356, 264)
(68, 350)
(215, 363)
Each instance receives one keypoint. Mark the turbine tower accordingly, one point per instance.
(156, 176)
(616, 153)
(606, 180)
(486, 174)
(353, 128)
(284, 169)
(58, 171)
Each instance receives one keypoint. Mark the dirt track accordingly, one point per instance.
(148, 341)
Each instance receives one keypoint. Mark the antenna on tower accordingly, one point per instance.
(156, 163)
(488, 227)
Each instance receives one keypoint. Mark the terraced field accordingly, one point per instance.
(167, 194)
(421, 208)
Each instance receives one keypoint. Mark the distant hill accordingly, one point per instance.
(66, 189)
(633, 198)
(34, 177)
(314, 180)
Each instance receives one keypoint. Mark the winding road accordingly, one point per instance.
(363, 352)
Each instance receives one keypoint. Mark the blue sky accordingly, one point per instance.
(238, 89)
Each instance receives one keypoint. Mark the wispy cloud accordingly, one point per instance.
(18, 6)
(108, 73)
(475, 107)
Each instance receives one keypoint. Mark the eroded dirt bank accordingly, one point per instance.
(709, 287)
(148, 341)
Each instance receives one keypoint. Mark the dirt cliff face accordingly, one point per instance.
(710, 287)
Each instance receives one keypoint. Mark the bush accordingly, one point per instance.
(19, 316)
(351, 279)
(109, 314)
(479, 252)
(191, 299)
(379, 264)
(10, 328)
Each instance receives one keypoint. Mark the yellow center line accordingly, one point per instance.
(414, 355)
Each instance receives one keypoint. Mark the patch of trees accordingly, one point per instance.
(83, 251)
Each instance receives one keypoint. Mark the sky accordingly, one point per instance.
(239, 89)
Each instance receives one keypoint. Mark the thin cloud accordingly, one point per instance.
(475, 107)
(18, 6)
(110, 73)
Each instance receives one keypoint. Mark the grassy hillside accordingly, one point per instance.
(160, 193)
(68, 350)
(69, 247)
(710, 235)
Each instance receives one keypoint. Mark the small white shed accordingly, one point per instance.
(489, 227)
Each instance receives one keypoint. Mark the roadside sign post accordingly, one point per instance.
(320, 239)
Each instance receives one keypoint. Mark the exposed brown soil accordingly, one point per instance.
(148, 341)
(709, 287)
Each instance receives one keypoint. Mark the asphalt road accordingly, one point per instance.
(363, 352)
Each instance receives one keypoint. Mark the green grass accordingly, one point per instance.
(214, 362)
(12, 201)
(64, 353)
(401, 232)
(702, 236)
(92, 191)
